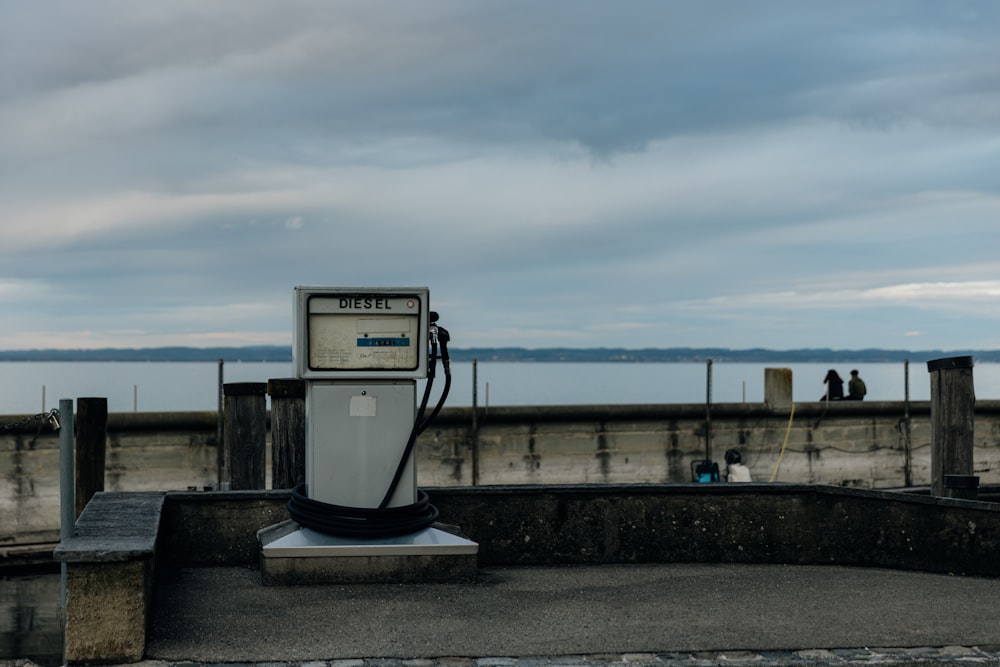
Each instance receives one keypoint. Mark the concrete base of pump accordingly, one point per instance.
(293, 555)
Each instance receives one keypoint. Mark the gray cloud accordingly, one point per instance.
(722, 173)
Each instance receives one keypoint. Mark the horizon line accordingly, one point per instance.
(504, 347)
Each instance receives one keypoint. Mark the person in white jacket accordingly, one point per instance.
(735, 470)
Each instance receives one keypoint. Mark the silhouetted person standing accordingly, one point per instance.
(856, 388)
(834, 386)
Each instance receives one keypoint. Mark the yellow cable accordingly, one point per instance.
(774, 475)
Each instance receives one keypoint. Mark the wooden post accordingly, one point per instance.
(288, 432)
(244, 435)
(953, 403)
(778, 388)
(91, 442)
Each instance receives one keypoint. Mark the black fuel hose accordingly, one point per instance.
(361, 522)
(443, 336)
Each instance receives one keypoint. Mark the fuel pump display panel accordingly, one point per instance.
(365, 334)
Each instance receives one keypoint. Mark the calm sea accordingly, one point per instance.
(30, 387)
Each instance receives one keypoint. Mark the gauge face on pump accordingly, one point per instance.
(364, 332)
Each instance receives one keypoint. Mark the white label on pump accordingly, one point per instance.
(362, 406)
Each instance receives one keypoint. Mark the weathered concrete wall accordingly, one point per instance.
(845, 444)
(218, 528)
(639, 523)
(145, 452)
(744, 523)
(849, 444)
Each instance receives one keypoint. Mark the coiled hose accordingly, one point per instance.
(363, 522)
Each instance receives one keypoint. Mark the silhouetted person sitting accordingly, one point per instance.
(834, 386)
(736, 471)
(856, 388)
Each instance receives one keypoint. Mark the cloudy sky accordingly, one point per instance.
(582, 174)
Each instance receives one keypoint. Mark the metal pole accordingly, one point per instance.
(67, 476)
(907, 442)
(475, 393)
(475, 422)
(708, 412)
(219, 428)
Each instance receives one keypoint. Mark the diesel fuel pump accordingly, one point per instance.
(361, 352)
(359, 516)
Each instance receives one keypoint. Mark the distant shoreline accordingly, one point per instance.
(283, 354)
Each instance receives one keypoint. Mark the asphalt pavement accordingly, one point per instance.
(657, 614)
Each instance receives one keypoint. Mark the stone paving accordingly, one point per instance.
(883, 657)
(945, 656)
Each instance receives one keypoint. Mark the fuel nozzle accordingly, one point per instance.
(444, 337)
(433, 329)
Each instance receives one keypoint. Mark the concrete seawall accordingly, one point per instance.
(872, 445)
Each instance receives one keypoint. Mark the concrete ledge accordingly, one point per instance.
(109, 577)
(644, 523)
(114, 527)
(726, 523)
